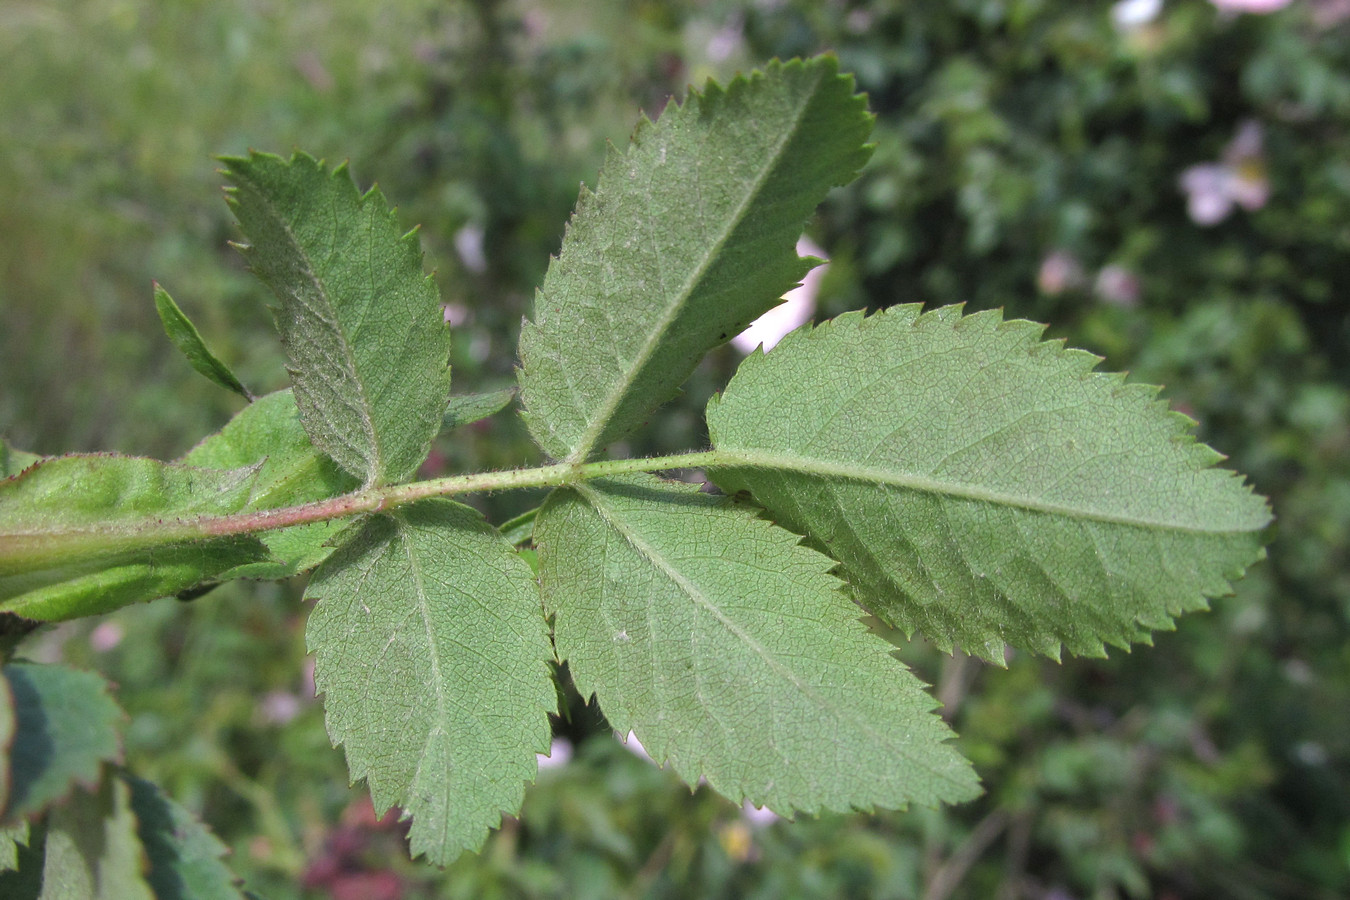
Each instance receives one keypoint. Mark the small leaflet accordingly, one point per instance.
(185, 336)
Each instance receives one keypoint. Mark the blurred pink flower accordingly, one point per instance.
(1250, 6)
(1118, 285)
(106, 636)
(1213, 189)
(1060, 271)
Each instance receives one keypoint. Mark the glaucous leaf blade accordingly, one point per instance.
(732, 653)
(361, 323)
(982, 486)
(432, 655)
(689, 236)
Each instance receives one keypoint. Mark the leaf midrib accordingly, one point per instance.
(808, 465)
(605, 413)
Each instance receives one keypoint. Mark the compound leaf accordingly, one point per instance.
(66, 729)
(361, 324)
(731, 652)
(93, 851)
(267, 434)
(431, 651)
(184, 856)
(185, 336)
(688, 237)
(72, 541)
(982, 486)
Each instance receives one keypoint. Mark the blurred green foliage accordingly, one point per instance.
(1031, 156)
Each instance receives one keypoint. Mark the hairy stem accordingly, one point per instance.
(22, 551)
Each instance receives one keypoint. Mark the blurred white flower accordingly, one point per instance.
(559, 752)
(469, 247)
(279, 707)
(758, 815)
(1130, 14)
(1250, 6)
(1213, 189)
(798, 305)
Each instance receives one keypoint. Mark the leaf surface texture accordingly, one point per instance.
(983, 486)
(267, 434)
(431, 651)
(730, 651)
(688, 237)
(361, 323)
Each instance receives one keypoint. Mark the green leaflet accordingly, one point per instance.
(469, 408)
(431, 653)
(982, 486)
(731, 652)
(21, 872)
(184, 335)
(688, 237)
(361, 323)
(72, 541)
(291, 471)
(66, 730)
(93, 851)
(184, 856)
(13, 839)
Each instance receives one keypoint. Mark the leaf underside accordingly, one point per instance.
(730, 651)
(469, 408)
(982, 486)
(431, 652)
(13, 461)
(70, 539)
(688, 237)
(360, 321)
